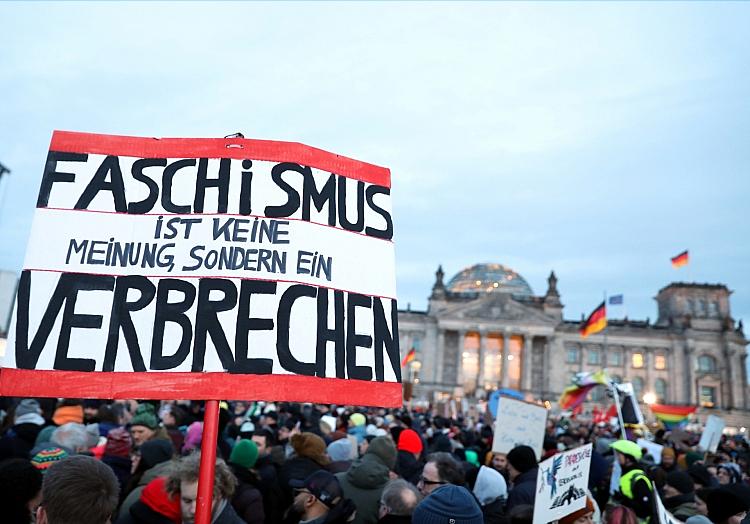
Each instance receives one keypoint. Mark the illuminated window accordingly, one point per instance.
(660, 362)
(593, 357)
(572, 356)
(637, 360)
(708, 396)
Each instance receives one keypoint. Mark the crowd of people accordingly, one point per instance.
(127, 462)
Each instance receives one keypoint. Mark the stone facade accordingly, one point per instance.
(485, 329)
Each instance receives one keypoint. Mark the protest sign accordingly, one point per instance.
(561, 484)
(711, 435)
(665, 517)
(207, 268)
(518, 423)
(653, 449)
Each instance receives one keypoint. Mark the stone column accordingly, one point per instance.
(672, 390)
(437, 377)
(743, 374)
(504, 368)
(648, 358)
(526, 363)
(480, 367)
(460, 357)
(728, 357)
(687, 351)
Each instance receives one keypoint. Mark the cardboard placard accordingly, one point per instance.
(518, 423)
(205, 269)
(561, 484)
(711, 436)
(653, 448)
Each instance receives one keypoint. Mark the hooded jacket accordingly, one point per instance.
(491, 491)
(160, 470)
(366, 478)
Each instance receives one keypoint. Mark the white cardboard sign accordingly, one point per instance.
(653, 448)
(561, 484)
(519, 423)
(711, 435)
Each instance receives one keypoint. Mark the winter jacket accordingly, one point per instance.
(363, 484)
(121, 467)
(19, 440)
(268, 484)
(226, 514)
(298, 468)
(160, 470)
(524, 490)
(409, 467)
(681, 506)
(247, 500)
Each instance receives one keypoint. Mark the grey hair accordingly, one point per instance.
(401, 497)
(71, 436)
(187, 469)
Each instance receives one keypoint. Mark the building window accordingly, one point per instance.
(416, 343)
(713, 309)
(691, 306)
(701, 308)
(708, 396)
(660, 362)
(638, 387)
(660, 389)
(706, 364)
(573, 355)
(637, 360)
(614, 358)
(593, 357)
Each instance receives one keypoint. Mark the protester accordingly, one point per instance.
(183, 482)
(449, 503)
(409, 453)
(72, 437)
(145, 425)
(152, 461)
(247, 500)
(46, 457)
(78, 489)
(319, 500)
(155, 506)
(20, 438)
(309, 457)
(522, 471)
(491, 492)
(679, 495)
(727, 505)
(440, 469)
(635, 488)
(365, 480)
(20, 491)
(581, 516)
(117, 455)
(397, 502)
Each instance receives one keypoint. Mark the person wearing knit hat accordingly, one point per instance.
(409, 463)
(70, 410)
(726, 505)
(144, 424)
(679, 495)
(20, 490)
(155, 506)
(20, 438)
(522, 472)
(339, 452)
(117, 454)
(448, 504)
(668, 459)
(247, 500)
(28, 411)
(581, 516)
(48, 456)
(357, 428)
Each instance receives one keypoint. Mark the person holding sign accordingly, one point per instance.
(522, 469)
(635, 489)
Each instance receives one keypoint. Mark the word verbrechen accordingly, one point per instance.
(236, 356)
(330, 199)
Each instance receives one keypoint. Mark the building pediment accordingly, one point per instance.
(497, 307)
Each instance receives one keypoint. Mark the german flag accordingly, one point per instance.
(411, 355)
(680, 260)
(596, 322)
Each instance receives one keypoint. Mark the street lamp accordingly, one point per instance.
(649, 398)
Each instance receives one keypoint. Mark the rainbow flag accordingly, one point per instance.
(672, 416)
(596, 322)
(680, 260)
(411, 355)
(574, 395)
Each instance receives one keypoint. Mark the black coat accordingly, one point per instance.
(247, 500)
(524, 489)
(270, 490)
(408, 467)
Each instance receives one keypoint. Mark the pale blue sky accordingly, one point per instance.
(595, 139)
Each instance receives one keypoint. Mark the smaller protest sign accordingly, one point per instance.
(711, 435)
(653, 449)
(330, 421)
(561, 484)
(665, 517)
(518, 423)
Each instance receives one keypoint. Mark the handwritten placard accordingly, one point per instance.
(519, 423)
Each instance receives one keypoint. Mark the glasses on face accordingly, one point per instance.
(428, 482)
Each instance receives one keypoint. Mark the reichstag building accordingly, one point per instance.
(486, 329)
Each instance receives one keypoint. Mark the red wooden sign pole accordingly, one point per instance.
(208, 462)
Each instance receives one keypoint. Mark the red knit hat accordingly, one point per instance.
(118, 443)
(409, 441)
(155, 496)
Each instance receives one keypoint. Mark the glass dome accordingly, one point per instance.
(488, 278)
